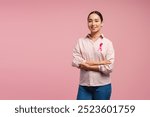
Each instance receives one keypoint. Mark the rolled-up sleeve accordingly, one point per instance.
(110, 55)
(77, 55)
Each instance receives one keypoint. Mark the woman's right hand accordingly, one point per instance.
(104, 62)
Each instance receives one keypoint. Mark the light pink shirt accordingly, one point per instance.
(88, 50)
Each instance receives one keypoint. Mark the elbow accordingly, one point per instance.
(106, 72)
(74, 64)
(106, 69)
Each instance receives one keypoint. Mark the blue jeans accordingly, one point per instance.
(94, 92)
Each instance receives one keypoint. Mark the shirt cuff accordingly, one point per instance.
(99, 67)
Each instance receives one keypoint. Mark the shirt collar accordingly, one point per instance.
(101, 36)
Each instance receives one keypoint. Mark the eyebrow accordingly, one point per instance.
(93, 19)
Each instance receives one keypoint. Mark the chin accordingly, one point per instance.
(94, 31)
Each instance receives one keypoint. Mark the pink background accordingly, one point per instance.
(37, 38)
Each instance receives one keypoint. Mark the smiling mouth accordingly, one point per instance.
(93, 28)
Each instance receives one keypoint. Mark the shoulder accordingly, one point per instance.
(82, 40)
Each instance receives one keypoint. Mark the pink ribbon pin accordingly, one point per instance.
(100, 46)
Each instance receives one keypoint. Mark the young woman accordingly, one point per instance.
(94, 56)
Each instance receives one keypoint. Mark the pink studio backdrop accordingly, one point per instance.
(37, 38)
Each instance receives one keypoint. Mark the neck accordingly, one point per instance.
(95, 35)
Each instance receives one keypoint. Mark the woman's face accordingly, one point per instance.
(94, 23)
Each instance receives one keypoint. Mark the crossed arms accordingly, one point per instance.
(105, 65)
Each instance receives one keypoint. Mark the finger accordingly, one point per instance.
(109, 62)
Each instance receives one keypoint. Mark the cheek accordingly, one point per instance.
(99, 24)
(89, 24)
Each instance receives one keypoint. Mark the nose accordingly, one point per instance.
(93, 23)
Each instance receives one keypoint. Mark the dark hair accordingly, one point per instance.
(98, 13)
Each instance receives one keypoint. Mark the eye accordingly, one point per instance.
(96, 20)
(89, 20)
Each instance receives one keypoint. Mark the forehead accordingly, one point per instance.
(94, 16)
